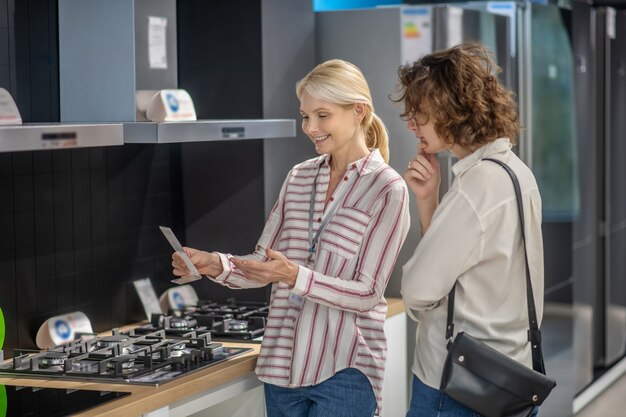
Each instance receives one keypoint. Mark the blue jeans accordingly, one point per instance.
(430, 402)
(346, 394)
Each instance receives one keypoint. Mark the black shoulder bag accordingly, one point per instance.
(486, 380)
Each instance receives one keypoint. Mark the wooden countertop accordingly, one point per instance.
(147, 398)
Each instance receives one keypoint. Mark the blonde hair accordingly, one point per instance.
(340, 82)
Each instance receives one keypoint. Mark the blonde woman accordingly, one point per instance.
(328, 249)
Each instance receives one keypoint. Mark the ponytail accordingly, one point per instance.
(376, 135)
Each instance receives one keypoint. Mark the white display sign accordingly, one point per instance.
(179, 298)
(148, 297)
(62, 329)
(9, 114)
(171, 106)
(157, 42)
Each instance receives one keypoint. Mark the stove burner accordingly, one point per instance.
(237, 325)
(125, 361)
(234, 320)
(109, 341)
(53, 359)
(182, 323)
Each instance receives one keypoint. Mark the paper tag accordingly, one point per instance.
(296, 299)
(157, 42)
(194, 274)
(148, 297)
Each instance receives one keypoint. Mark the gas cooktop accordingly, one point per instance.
(230, 321)
(152, 358)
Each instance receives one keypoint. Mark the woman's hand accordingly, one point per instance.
(277, 268)
(423, 176)
(206, 263)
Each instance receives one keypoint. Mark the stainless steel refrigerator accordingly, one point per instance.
(379, 40)
(599, 47)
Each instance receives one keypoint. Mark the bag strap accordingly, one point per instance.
(534, 334)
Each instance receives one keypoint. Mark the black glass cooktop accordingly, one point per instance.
(50, 402)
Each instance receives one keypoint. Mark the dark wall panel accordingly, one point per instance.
(220, 65)
(70, 241)
(219, 57)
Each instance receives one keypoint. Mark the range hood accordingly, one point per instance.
(34, 136)
(110, 50)
(15, 136)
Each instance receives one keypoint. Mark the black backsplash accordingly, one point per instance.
(78, 226)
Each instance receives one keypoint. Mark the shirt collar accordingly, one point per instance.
(499, 145)
(369, 163)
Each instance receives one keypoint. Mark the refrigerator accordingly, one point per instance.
(599, 48)
(380, 40)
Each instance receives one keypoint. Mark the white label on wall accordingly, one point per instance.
(416, 33)
(157, 42)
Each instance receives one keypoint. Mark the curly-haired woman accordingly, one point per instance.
(454, 102)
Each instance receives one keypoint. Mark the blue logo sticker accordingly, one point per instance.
(172, 102)
(63, 329)
(178, 299)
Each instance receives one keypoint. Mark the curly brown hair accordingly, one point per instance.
(460, 90)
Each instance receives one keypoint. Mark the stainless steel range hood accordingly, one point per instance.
(33, 136)
(207, 130)
(109, 50)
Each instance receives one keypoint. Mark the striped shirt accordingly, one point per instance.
(340, 322)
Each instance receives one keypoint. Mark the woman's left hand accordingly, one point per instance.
(277, 268)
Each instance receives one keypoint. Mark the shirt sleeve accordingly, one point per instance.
(382, 241)
(450, 246)
(231, 276)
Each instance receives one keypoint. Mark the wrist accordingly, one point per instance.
(214, 265)
(292, 275)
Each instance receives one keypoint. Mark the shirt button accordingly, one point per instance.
(353, 166)
(345, 178)
(319, 219)
(332, 199)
